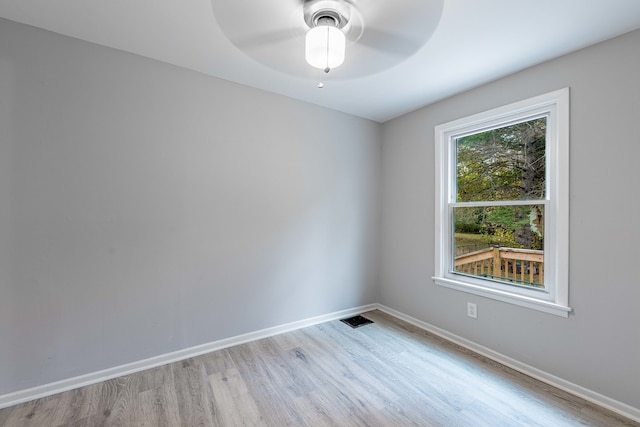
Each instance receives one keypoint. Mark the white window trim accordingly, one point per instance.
(555, 299)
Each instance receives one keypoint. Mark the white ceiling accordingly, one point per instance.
(475, 42)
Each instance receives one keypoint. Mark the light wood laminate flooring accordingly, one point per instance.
(388, 373)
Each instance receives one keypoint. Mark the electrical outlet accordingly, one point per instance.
(472, 310)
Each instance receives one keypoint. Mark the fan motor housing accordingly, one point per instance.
(323, 16)
(315, 10)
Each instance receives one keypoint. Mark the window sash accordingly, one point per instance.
(451, 240)
(454, 137)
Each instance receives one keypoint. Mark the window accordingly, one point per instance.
(502, 203)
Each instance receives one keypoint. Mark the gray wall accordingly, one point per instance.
(146, 208)
(598, 347)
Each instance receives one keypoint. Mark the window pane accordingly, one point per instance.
(504, 243)
(507, 163)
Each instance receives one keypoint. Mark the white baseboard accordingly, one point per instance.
(582, 392)
(106, 374)
(44, 390)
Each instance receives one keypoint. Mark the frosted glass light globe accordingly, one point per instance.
(325, 47)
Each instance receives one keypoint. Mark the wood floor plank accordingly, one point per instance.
(282, 367)
(275, 402)
(167, 407)
(388, 373)
(82, 422)
(230, 393)
(29, 414)
(419, 396)
(328, 407)
(4, 415)
(192, 391)
(155, 377)
(117, 401)
(147, 414)
(216, 362)
(359, 386)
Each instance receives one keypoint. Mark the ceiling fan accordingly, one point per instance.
(370, 35)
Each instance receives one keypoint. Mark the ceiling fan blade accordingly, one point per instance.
(264, 39)
(242, 21)
(389, 43)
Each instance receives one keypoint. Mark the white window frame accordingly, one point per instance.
(554, 299)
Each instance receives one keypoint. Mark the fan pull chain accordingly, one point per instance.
(326, 69)
(323, 77)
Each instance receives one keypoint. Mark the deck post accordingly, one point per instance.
(497, 265)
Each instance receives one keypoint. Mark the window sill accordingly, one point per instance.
(523, 301)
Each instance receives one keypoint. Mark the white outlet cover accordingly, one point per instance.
(472, 310)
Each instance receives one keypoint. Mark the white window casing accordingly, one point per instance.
(554, 298)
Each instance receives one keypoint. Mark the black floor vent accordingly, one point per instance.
(356, 321)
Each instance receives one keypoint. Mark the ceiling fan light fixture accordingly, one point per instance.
(325, 45)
